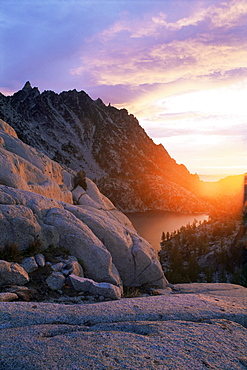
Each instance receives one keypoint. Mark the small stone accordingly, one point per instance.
(144, 295)
(23, 293)
(175, 288)
(69, 300)
(55, 281)
(90, 286)
(73, 266)
(76, 269)
(29, 264)
(66, 272)
(72, 259)
(40, 259)
(8, 297)
(161, 291)
(90, 298)
(57, 266)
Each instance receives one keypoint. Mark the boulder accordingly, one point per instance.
(68, 266)
(12, 274)
(80, 241)
(122, 241)
(91, 196)
(89, 286)
(74, 268)
(38, 204)
(18, 225)
(21, 219)
(100, 238)
(57, 266)
(56, 280)
(8, 297)
(40, 259)
(23, 293)
(29, 264)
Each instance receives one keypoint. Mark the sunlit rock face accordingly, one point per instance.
(24, 168)
(36, 206)
(108, 143)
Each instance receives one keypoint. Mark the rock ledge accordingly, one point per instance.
(200, 326)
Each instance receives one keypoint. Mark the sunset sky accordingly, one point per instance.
(180, 66)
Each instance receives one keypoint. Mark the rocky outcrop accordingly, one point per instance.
(201, 326)
(65, 277)
(36, 196)
(95, 236)
(108, 143)
(24, 168)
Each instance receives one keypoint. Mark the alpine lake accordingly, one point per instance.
(151, 224)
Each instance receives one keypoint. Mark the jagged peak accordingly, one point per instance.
(99, 102)
(27, 86)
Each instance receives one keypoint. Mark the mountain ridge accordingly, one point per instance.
(108, 143)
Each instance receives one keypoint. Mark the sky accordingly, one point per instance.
(180, 66)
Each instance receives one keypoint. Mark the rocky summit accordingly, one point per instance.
(108, 143)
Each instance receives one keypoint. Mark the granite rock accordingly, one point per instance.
(12, 274)
(29, 264)
(194, 329)
(40, 259)
(8, 297)
(56, 280)
(91, 287)
(36, 209)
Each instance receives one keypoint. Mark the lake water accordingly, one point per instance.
(151, 224)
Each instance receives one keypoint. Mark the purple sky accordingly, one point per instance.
(179, 66)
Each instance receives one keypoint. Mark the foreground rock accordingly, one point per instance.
(28, 217)
(105, 290)
(204, 327)
(8, 297)
(62, 281)
(55, 281)
(36, 196)
(12, 274)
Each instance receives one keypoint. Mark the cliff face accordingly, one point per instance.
(108, 143)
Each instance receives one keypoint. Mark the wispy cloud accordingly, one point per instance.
(207, 44)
